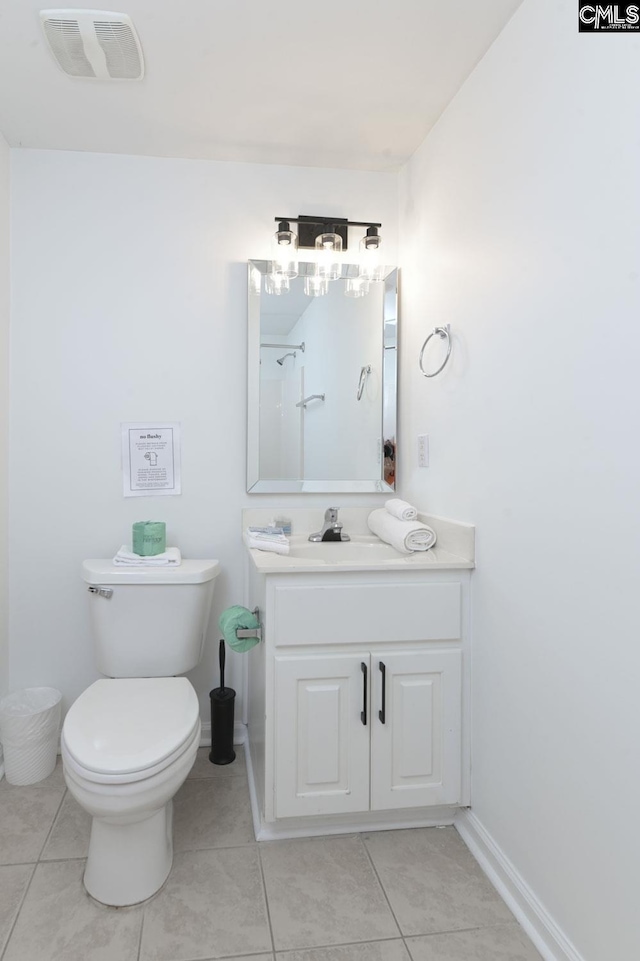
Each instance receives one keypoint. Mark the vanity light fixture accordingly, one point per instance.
(372, 239)
(285, 251)
(369, 260)
(328, 236)
(310, 229)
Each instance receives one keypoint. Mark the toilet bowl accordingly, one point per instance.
(127, 746)
(131, 738)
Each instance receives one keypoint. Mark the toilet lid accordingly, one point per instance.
(123, 725)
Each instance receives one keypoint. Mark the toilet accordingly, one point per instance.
(130, 740)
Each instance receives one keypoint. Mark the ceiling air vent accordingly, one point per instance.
(94, 43)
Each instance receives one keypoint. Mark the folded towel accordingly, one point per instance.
(170, 558)
(401, 509)
(233, 619)
(405, 536)
(262, 542)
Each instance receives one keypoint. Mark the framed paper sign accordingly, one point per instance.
(150, 459)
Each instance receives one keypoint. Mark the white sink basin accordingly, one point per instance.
(360, 549)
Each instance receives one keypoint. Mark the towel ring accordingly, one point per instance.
(443, 333)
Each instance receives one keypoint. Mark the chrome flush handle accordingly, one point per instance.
(101, 591)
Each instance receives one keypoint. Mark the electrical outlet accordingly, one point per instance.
(423, 450)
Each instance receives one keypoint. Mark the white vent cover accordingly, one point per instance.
(94, 43)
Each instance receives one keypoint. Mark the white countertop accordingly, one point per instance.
(454, 550)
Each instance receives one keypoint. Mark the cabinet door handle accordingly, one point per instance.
(363, 712)
(383, 713)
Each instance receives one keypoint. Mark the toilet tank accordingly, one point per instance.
(149, 621)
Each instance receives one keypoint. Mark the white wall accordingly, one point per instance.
(520, 215)
(4, 410)
(129, 304)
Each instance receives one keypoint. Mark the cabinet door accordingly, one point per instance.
(322, 744)
(416, 745)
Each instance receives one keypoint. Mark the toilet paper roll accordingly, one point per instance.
(149, 538)
(235, 618)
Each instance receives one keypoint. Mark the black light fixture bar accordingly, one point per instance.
(324, 221)
(308, 228)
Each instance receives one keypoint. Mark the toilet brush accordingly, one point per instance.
(222, 711)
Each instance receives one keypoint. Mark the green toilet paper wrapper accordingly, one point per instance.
(149, 538)
(238, 618)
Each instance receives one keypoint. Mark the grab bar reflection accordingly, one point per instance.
(303, 403)
(364, 373)
(286, 346)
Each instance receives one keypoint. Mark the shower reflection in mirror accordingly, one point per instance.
(322, 386)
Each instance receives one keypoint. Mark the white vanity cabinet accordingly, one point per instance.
(367, 731)
(358, 699)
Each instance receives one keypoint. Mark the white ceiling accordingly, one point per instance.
(279, 315)
(336, 83)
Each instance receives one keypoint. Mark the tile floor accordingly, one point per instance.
(414, 895)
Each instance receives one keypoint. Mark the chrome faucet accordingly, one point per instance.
(331, 529)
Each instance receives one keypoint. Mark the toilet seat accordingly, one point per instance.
(127, 729)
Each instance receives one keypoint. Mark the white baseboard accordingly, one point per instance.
(253, 794)
(541, 928)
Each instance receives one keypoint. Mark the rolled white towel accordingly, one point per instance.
(405, 536)
(275, 545)
(170, 558)
(403, 510)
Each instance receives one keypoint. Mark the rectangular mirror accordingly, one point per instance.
(322, 386)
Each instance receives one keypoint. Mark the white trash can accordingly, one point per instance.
(29, 730)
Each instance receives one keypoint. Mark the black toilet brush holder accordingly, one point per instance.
(223, 701)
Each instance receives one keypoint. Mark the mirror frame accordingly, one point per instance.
(256, 271)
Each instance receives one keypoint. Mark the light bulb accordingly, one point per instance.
(284, 251)
(328, 250)
(370, 264)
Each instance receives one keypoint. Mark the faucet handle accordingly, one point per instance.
(331, 514)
